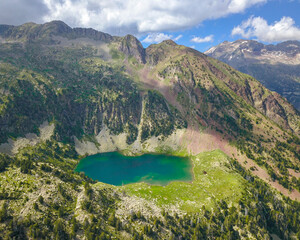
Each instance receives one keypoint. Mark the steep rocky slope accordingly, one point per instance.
(69, 92)
(275, 66)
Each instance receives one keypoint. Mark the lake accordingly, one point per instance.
(117, 169)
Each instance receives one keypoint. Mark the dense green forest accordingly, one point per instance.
(260, 211)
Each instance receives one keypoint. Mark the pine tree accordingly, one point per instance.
(4, 212)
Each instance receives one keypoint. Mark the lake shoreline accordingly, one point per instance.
(152, 168)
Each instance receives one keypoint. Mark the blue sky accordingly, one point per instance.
(196, 23)
(221, 29)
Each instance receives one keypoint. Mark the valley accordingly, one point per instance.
(70, 93)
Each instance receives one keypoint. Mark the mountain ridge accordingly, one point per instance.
(276, 66)
(71, 95)
(130, 46)
(32, 31)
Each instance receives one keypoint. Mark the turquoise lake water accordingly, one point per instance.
(117, 169)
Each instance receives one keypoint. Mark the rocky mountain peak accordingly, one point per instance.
(131, 46)
(276, 66)
(56, 27)
(169, 42)
(46, 32)
(286, 52)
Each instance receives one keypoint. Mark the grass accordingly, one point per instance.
(213, 180)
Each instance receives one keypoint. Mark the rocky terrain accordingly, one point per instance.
(70, 92)
(275, 66)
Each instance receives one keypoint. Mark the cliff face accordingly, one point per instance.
(133, 48)
(275, 66)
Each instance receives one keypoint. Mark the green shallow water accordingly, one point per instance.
(117, 169)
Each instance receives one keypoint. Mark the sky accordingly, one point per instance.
(199, 24)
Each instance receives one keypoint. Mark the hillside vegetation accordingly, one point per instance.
(70, 92)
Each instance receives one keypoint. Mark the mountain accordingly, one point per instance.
(71, 92)
(275, 66)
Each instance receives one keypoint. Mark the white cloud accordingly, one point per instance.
(156, 38)
(17, 12)
(258, 27)
(141, 16)
(159, 37)
(178, 37)
(209, 38)
(237, 6)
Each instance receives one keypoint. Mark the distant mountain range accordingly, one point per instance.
(275, 66)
